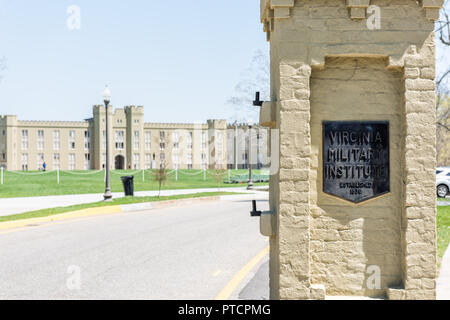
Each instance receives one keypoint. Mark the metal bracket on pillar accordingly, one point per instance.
(254, 212)
(257, 102)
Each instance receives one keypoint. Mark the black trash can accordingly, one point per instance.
(128, 185)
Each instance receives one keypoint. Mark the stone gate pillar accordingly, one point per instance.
(353, 98)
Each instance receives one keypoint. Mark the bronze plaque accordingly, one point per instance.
(356, 159)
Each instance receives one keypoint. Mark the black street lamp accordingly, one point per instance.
(250, 178)
(107, 98)
(257, 103)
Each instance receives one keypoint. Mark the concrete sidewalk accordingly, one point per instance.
(9, 206)
(443, 282)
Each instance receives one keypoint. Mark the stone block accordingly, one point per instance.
(432, 14)
(282, 13)
(282, 3)
(395, 294)
(412, 73)
(358, 3)
(318, 292)
(357, 13)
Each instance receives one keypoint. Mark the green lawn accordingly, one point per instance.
(443, 230)
(118, 201)
(28, 184)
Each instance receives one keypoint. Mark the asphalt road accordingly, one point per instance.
(188, 252)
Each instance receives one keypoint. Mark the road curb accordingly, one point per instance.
(127, 208)
(58, 217)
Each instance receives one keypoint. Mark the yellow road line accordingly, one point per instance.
(53, 223)
(215, 274)
(19, 224)
(237, 279)
(23, 224)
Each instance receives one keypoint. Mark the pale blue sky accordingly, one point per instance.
(181, 59)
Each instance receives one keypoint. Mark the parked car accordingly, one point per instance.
(442, 181)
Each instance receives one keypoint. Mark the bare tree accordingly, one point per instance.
(160, 175)
(219, 175)
(442, 89)
(255, 78)
(443, 32)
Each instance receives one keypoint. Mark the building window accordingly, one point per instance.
(71, 161)
(120, 139)
(175, 161)
(56, 161)
(162, 140)
(203, 140)
(136, 140)
(24, 162)
(40, 140)
(87, 161)
(56, 140)
(4, 132)
(244, 144)
(175, 137)
(71, 140)
(219, 140)
(104, 139)
(244, 161)
(87, 140)
(40, 161)
(136, 161)
(162, 159)
(148, 161)
(103, 160)
(219, 154)
(148, 140)
(189, 161)
(189, 140)
(24, 139)
(203, 161)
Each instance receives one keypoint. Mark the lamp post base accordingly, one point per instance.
(107, 197)
(250, 185)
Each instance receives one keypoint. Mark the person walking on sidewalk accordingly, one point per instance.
(44, 166)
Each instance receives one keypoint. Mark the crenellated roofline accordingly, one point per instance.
(272, 10)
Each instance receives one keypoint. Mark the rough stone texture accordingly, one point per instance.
(419, 230)
(327, 66)
(317, 292)
(351, 237)
(395, 294)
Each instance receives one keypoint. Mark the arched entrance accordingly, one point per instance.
(119, 162)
